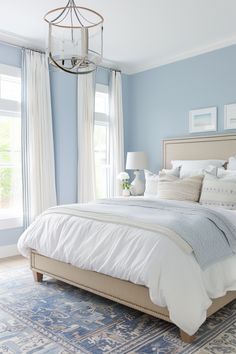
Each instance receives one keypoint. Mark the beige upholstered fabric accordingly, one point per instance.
(124, 292)
(199, 148)
(171, 187)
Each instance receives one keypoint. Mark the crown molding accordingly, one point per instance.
(128, 69)
(135, 69)
(14, 39)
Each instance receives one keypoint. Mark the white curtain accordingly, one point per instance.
(86, 163)
(37, 137)
(116, 132)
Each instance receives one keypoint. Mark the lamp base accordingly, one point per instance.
(137, 186)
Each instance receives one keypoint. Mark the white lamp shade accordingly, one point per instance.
(136, 161)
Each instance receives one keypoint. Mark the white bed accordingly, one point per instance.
(145, 258)
(173, 276)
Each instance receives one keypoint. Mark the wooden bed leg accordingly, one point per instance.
(38, 277)
(186, 337)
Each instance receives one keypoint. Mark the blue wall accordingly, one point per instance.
(159, 99)
(63, 94)
(155, 104)
(10, 55)
(126, 80)
(64, 110)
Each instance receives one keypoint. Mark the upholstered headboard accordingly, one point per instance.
(199, 148)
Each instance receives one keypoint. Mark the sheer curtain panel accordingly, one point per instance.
(116, 132)
(86, 161)
(37, 137)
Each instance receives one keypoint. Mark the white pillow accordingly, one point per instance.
(221, 172)
(211, 170)
(171, 187)
(195, 167)
(232, 163)
(151, 184)
(219, 191)
(171, 172)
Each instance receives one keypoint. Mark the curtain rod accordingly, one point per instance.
(108, 68)
(41, 51)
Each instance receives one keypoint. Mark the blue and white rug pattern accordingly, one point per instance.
(56, 318)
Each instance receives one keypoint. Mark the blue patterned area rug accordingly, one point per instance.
(56, 318)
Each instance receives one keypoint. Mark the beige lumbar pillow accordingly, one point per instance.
(172, 187)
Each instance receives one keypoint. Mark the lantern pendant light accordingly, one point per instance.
(75, 38)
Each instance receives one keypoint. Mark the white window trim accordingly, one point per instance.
(103, 119)
(99, 116)
(102, 88)
(10, 70)
(13, 109)
(11, 223)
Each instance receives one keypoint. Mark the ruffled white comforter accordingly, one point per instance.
(173, 276)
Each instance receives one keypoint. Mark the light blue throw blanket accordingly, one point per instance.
(210, 233)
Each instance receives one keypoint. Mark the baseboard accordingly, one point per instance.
(8, 251)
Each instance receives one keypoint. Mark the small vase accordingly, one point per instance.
(125, 193)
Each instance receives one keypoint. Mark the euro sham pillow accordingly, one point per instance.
(171, 172)
(151, 180)
(151, 183)
(174, 188)
(219, 191)
(232, 164)
(222, 173)
(196, 167)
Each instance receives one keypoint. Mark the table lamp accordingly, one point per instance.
(137, 161)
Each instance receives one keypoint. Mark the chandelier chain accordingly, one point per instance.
(77, 10)
(68, 9)
(72, 31)
(65, 16)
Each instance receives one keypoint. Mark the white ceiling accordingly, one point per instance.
(138, 34)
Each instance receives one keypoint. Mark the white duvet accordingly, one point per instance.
(173, 276)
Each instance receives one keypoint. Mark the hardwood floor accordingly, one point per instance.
(12, 262)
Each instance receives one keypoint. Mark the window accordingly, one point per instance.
(101, 141)
(10, 147)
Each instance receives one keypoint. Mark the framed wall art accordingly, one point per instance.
(230, 116)
(203, 120)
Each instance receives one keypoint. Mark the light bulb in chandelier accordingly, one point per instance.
(75, 38)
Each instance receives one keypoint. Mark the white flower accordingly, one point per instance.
(123, 176)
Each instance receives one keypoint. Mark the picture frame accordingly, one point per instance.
(230, 116)
(203, 120)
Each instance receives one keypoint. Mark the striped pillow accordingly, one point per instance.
(219, 192)
(188, 189)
